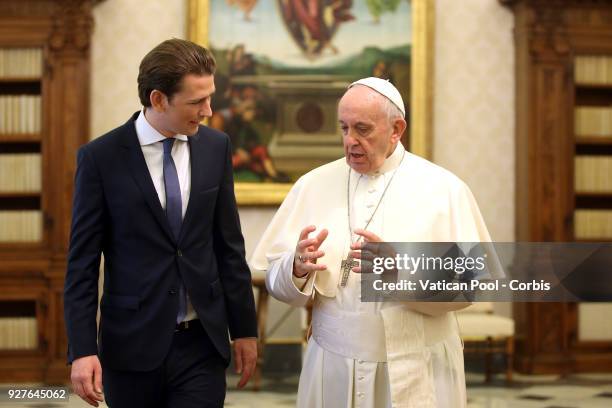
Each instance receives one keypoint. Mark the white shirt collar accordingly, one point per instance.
(391, 162)
(147, 134)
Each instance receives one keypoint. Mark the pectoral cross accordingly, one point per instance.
(346, 266)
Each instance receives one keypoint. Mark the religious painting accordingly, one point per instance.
(282, 66)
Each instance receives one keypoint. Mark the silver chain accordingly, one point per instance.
(348, 200)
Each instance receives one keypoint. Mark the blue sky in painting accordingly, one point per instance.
(266, 32)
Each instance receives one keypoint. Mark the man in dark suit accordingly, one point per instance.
(156, 196)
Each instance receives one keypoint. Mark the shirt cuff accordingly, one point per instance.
(305, 284)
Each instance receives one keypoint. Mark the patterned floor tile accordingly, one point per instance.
(525, 392)
(568, 392)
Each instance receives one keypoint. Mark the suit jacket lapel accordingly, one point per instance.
(140, 172)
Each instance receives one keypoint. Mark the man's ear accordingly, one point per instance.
(159, 101)
(398, 128)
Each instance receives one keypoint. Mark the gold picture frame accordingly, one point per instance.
(421, 97)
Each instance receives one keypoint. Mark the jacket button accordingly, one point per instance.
(179, 253)
(172, 291)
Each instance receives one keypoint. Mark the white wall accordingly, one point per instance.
(125, 30)
(474, 106)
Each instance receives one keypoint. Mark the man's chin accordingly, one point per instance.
(191, 131)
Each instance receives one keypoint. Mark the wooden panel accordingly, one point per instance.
(62, 29)
(548, 35)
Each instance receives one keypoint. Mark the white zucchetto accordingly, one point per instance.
(385, 88)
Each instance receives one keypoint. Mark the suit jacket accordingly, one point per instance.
(116, 211)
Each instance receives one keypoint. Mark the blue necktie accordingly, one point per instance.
(174, 212)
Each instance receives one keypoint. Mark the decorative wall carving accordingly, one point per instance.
(72, 25)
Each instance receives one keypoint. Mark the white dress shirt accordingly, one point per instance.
(153, 150)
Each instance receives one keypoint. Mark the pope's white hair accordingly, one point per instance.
(392, 111)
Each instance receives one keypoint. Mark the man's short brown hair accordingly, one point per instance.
(164, 67)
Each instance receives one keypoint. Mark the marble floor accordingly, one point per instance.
(575, 391)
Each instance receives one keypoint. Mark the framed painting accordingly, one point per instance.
(282, 66)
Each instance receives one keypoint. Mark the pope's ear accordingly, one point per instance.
(399, 126)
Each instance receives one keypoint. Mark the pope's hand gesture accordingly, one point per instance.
(366, 253)
(307, 252)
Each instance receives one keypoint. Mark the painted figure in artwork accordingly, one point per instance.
(273, 59)
(239, 112)
(378, 7)
(313, 23)
(246, 6)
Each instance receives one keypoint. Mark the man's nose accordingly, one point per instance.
(205, 109)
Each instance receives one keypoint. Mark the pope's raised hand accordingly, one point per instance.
(366, 253)
(367, 236)
(307, 252)
(358, 251)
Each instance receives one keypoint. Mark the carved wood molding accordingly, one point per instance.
(71, 21)
(548, 34)
(551, 326)
(593, 18)
(570, 13)
(35, 8)
(32, 8)
(72, 25)
(555, 3)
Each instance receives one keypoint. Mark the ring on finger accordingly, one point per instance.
(302, 258)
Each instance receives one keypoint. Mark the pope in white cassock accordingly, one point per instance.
(370, 354)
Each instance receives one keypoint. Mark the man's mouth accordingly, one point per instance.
(357, 155)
